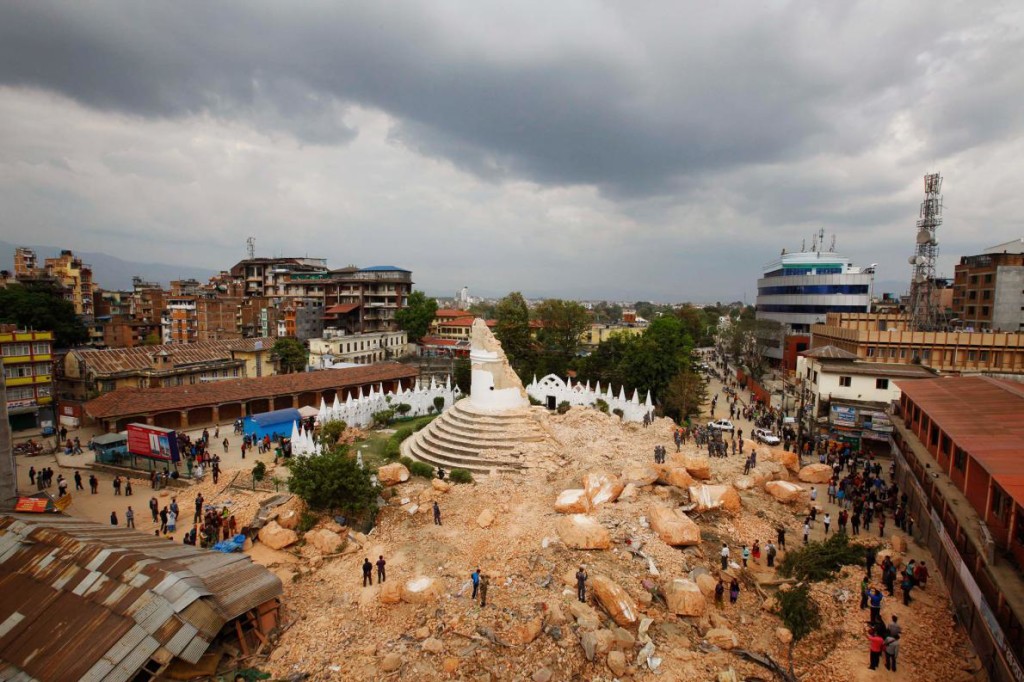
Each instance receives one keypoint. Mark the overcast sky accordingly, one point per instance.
(662, 150)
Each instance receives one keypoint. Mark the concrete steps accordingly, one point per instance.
(460, 437)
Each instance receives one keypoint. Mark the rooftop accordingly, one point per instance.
(128, 402)
(982, 415)
(139, 358)
(82, 600)
(829, 353)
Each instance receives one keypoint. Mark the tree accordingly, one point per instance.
(512, 329)
(562, 325)
(748, 342)
(463, 377)
(685, 395)
(41, 306)
(333, 481)
(152, 339)
(292, 355)
(330, 432)
(800, 614)
(417, 315)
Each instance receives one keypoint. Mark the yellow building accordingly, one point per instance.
(66, 270)
(599, 333)
(28, 371)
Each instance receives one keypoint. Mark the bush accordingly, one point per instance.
(401, 434)
(392, 449)
(421, 469)
(331, 432)
(438, 404)
(408, 462)
(332, 481)
(618, 412)
(602, 405)
(259, 472)
(403, 409)
(423, 424)
(563, 407)
(306, 521)
(384, 417)
(460, 476)
(534, 401)
(822, 560)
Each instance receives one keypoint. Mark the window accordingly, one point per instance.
(881, 384)
(41, 348)
(971, 355)
(903, 352)
(988, 278)
(987, 294)
(42, 369)
(17, 371)
(13, 349)
(959, 459)
(871, 352)
(43, 391)
(234, 372)
(970, 310)
(984, 310)
(926, 354)
(984, 356)
(845, 381)
(972, 295)
(1000, 504)
(19, 393)
(179, 380)
(107, 386)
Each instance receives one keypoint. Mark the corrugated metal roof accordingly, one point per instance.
(984, 417)
(84, 601)
(139, 358)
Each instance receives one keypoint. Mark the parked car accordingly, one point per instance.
(766, 436)
(721, 425)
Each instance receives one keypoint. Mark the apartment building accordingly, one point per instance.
(66, 271)
(28, 371)
(336, 348)
(361, 300)
(988, 289)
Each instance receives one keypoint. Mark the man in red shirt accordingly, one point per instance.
(920, 575)
(875, 645)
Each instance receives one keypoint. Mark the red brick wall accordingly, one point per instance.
(977, 486)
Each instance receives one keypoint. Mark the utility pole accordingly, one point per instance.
(8, 470)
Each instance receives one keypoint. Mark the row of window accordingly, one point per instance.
(16, 349)
(40, 369)
(814, 289)
(880, 384)
(810, 309)
(27, 392)
(805, 270)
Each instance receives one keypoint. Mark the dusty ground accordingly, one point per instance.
(337, 629)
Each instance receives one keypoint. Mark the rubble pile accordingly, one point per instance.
(647, 536)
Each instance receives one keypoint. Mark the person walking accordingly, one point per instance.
(437, 514)
(172, 521)
(875, 646)
(94, 484)
(129, 518)
(770, 553)
(113, 518)
(907, 585)
(32, 475)
(745, 555)
(920, 575)
(875, 605)
(367, 567)
(734, 591)
(869, 560)
(382, 575)
(475, 577)
(78, 481)
(807, 531)
(755, 552)
(725, 556)
(117, 485)
(154, 508)
(581, 585)
(127, 487)
(484, 582)
(163, 521)
(827, 521)
(780, 536)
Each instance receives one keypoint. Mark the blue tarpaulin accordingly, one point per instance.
(269, 423)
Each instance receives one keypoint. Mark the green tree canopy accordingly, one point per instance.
(333, 481)
(512, 329)
(415, 318)
(292, 354)
(563, 324)
(41, 307)
(685, 395)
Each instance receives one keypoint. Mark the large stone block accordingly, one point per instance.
(708, 497)
(582, 532)
(572, 501)
(784, 491)
(685, 598)
(674, 527)
(275, 537)
(393, 474)
(640, 474)
(615, 600)
(602, 487)
(815, 473)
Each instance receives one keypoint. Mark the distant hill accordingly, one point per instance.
(109, 271)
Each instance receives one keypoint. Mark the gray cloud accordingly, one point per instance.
(658, 131)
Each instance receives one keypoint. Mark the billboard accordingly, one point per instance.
(153, 442)
(844, 416)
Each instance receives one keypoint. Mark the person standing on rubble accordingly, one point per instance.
(725, 556)
(437, 514)
(475, 577)
(581, 585)
(367, 572)
(381, 574)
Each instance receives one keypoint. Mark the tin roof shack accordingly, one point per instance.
(85, 601)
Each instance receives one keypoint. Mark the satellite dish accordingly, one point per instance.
(912, 260)
(919, 260)
(924, 236)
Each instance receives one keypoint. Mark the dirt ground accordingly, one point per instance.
(337, 629)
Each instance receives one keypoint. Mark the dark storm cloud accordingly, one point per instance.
(660, 94)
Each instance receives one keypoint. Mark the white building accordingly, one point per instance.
(799, 289)
(336, 347)
(851, 396)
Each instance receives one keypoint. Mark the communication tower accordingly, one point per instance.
(250, 247)
(923, 308)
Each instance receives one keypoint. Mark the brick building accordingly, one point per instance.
(28, 371)
(988, 289)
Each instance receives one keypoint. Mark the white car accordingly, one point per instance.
(721, 425)
(765, 436)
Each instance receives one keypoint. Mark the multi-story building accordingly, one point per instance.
(360, 349)
(28, 371)
(958, 443)
(66, 271)
(988, 289)
(366, 300)
(179, 322)
(850, 397)
(217, 317)
(799, 289)
(269, 277)
(86, 373)
(598, 333)
(301, 319)
(888, 337)
(147, 301)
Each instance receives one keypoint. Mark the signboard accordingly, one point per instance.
(844, 416)
(877, 421)
(34, 505)
(153, 442)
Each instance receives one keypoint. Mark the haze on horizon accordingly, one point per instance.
(660, 150)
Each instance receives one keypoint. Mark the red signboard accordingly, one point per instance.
(34, 505)
(153, 442)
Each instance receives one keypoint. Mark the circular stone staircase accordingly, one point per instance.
(464, 437)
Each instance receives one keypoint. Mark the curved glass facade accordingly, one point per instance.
(813, 289)
(809, 309)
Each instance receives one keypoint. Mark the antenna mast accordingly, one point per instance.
(924, 314)
(250, 248)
